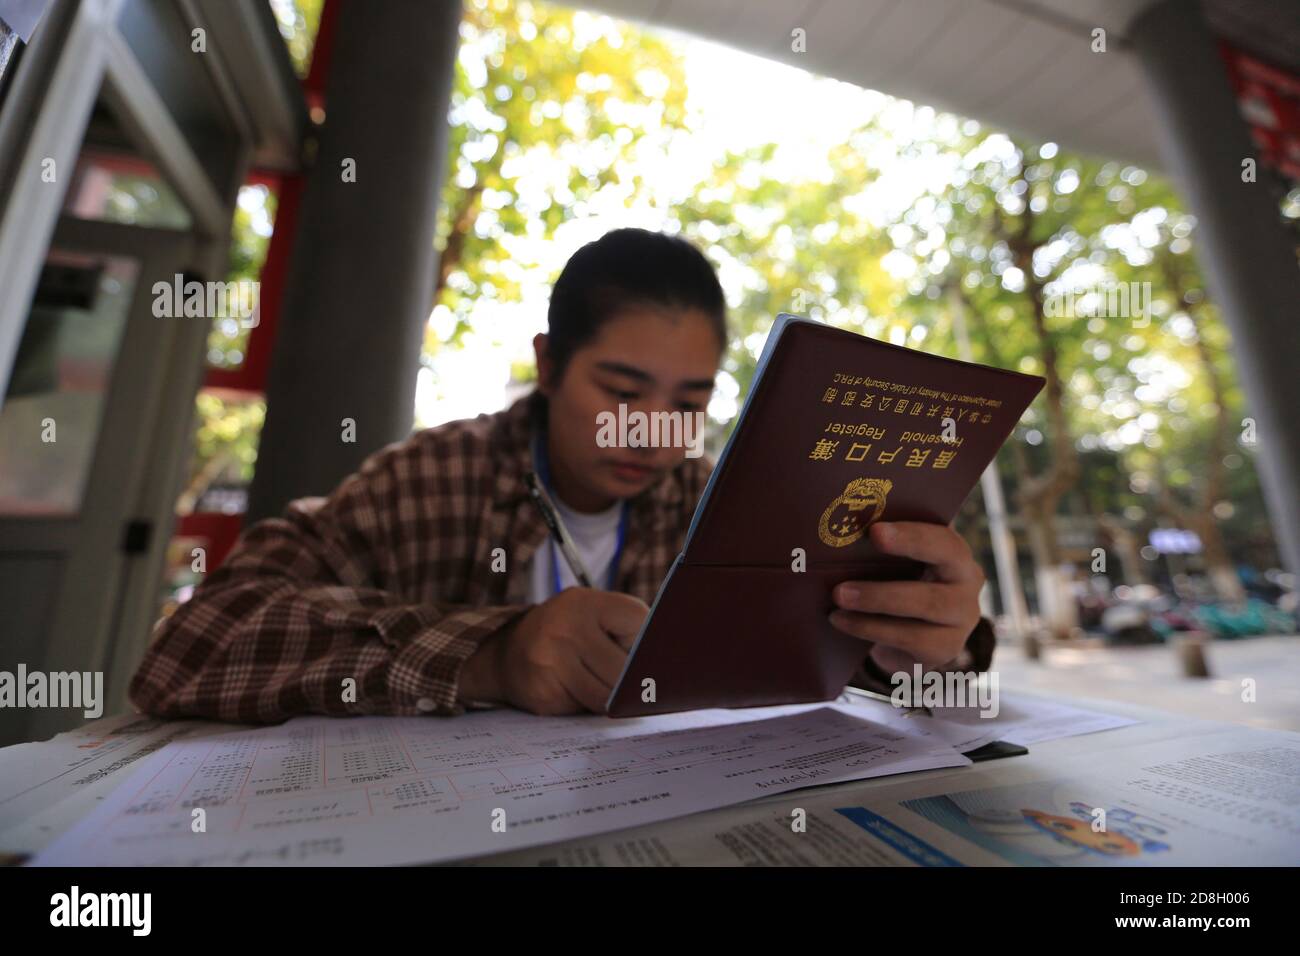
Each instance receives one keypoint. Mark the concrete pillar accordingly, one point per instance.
(1249, 260)
(361, 277)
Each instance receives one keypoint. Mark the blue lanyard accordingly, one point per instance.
(543, 466)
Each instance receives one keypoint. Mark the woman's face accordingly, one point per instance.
(651, 359)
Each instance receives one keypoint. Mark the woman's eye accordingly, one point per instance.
(621, 394)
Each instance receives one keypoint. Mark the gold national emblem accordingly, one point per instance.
(847, 518)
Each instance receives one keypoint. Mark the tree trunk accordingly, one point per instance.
(461, 223)
(1040, 495)
(1218, 563)
(1132, 570)
(1199, 516)
(1037, 496)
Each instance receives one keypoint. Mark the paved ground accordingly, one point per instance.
(1153, 676)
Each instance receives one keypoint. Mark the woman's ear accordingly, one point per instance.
(545, 367)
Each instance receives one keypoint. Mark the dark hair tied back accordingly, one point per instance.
(627, 268)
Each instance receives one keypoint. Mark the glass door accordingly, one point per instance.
(100, 391)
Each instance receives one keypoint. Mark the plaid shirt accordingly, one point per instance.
(389, 582)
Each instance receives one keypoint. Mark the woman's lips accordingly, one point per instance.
(628, 472)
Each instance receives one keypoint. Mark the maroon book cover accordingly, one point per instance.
(839, 431)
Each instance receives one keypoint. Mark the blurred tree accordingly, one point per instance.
(1014, 217)
(1177, 416)
(225, 445)
(1206, 490)
(299, 22)
(228, 427)
(549, 107)
(250, 234)
(1049, 252)
(801, 247)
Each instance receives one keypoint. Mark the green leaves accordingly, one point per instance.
(549, 108)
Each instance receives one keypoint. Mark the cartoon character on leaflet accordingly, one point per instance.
(1072, 838)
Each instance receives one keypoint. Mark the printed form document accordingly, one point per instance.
(398, 790)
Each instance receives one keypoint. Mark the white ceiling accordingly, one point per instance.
(1023, 65)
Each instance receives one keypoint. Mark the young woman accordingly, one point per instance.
(427, 582)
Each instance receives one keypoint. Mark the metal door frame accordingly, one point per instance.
(77, 56)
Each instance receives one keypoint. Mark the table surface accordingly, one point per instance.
(24, 831)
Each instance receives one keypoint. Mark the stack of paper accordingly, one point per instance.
(379, 790)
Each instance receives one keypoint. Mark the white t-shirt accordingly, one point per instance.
(595, 538)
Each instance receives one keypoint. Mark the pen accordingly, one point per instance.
(871, 694)
(552, 519)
